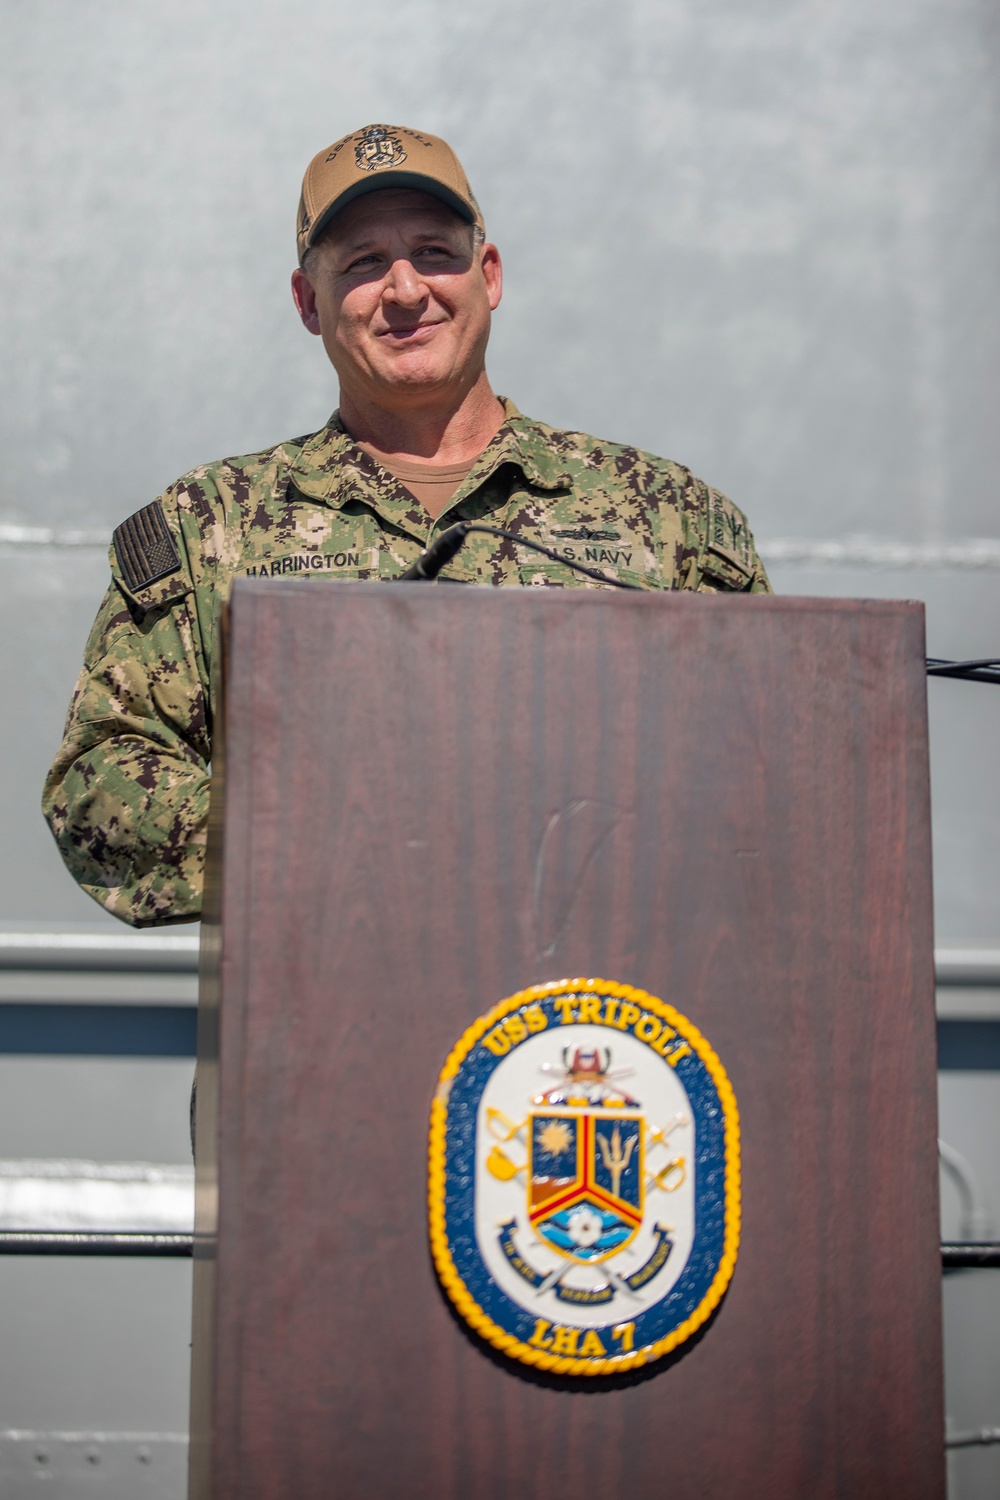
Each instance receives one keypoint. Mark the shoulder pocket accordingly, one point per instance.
(727, 564)
(144, 547)
(146, 563)
(722, 572)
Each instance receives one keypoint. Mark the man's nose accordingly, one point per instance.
(404, 285)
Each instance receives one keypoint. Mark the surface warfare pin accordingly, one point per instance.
(584, 1177)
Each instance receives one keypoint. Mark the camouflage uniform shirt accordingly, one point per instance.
(127, 796)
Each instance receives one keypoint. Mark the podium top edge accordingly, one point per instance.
(246, 588)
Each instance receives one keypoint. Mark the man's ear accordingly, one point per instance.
(492, 274)
(305, 299)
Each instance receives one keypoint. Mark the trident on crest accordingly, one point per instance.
(615, 1159)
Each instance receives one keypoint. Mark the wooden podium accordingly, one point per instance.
(433, 797)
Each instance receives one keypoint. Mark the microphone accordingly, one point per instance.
(429, 564)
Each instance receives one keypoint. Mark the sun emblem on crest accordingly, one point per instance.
(377, 148)
(554, 1138)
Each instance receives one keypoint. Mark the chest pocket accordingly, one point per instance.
(620, 559)
(558, 575)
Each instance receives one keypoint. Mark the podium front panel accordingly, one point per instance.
(433, 797)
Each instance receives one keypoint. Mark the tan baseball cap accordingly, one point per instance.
(380, 156)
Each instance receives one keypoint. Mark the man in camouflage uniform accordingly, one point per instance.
(400, 284)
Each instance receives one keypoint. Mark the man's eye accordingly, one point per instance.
(363, 263)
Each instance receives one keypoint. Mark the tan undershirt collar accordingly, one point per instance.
(432, 484)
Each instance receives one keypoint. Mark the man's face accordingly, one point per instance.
(402, 299)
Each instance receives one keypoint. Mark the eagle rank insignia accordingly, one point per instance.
(584, 1177)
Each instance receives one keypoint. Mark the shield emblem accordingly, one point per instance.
(586, 1180)
(377, 149)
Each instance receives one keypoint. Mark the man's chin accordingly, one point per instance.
(412, 374)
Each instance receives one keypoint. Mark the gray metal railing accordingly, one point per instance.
(173, 952)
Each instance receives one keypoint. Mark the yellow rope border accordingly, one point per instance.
(452, 1282)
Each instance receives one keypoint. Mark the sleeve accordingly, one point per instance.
(727, 556)
(127, 795)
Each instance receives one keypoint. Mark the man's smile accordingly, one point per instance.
(410, 334)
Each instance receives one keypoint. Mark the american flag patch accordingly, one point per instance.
(144, 547)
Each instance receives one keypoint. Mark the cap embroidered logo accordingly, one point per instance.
(377, 149)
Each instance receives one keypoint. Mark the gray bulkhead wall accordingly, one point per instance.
(759, 238)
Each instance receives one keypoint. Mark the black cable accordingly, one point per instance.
(440, 552)
(986, 669)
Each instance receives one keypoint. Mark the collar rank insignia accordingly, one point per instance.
(584, 1177)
